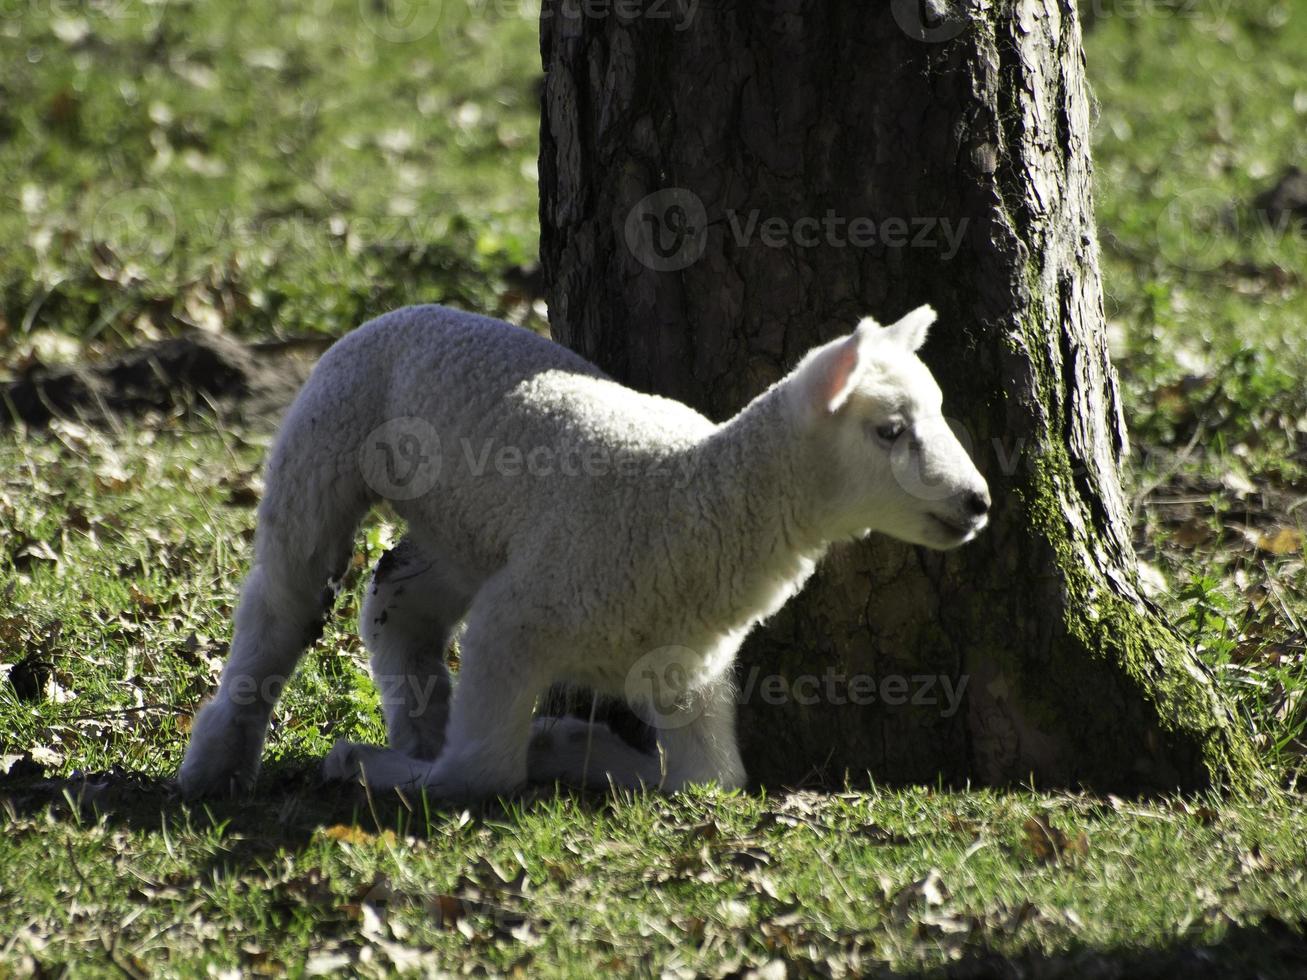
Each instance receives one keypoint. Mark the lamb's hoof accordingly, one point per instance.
(199, 782)
(344, 763)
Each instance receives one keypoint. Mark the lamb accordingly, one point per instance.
(581, 532)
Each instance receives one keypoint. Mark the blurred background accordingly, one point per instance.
(281, 171)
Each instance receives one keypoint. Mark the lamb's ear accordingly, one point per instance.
(910, 332)
(828, 374)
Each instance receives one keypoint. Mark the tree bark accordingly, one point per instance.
(842, 110)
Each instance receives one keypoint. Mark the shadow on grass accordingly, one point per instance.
(1269, 949)
(289, 805)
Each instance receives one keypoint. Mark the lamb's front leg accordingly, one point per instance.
(696, 739)
(489, 726)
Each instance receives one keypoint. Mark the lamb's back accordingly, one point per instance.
(491, 377)
(496, 394)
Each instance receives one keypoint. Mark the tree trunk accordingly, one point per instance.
(664, 130)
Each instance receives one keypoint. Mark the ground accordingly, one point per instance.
(286, 170)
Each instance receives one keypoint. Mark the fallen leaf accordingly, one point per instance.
(323, 964)
(35, 551)
(447, 910)
(310, 888)
(928, 891)
(1284, 541)
(1193, 533)
(1237, 483)
(46, 756)
(1048, 844)
(348, 834)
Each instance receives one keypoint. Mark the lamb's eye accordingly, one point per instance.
(890, 430)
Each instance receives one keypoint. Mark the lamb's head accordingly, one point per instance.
(884, 457)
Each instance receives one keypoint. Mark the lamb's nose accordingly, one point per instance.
(977, 503)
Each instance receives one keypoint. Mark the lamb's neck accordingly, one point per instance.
(755, 488)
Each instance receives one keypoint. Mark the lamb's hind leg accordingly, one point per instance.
(412, 608)
(283, 602)
(696, 744)
(577, 752)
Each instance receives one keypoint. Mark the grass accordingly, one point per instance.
(699, 885)
(280, 168)
(1206, 301)
(288, 170)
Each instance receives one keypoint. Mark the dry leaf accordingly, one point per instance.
(348, 834)
(35, 551)
(1238, 484)
(1284, 541)
(1193, 533)
(928, 891)
(1048, 844)
(325, 964)
(243, 490)
(447, 910)
(45, 756)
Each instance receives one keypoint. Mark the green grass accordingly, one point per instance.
(276, 168)
(1198, 113)
(284, 170)
(705, 883)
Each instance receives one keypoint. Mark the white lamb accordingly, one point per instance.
(584, 533)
